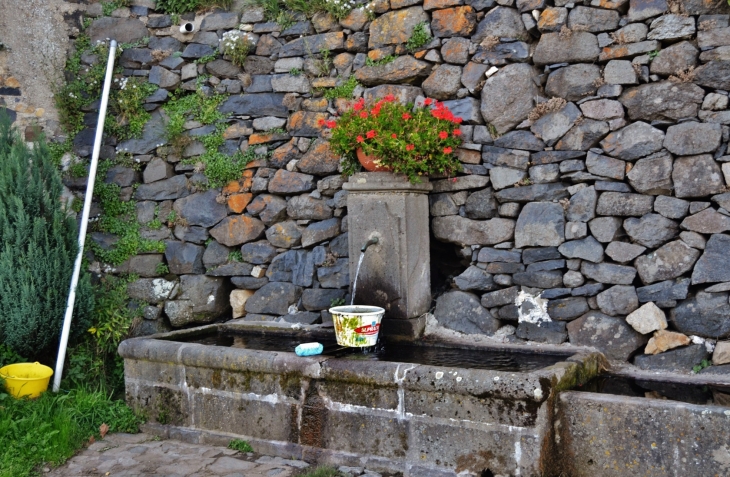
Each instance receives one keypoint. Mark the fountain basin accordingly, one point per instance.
(418, 419)
(357, 326)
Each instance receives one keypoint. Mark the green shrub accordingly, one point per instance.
(39, 245)
(240, 445)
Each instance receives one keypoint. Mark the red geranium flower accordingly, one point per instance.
(427, 101)
(389, 98)
(360, 139)
(457, 132)
(393, 136)
(331, 124)
(320, 122)
(406, 116)
(370, 134)
(358, 106)
(410, 147)
(443, 135)
(363, 114)
(457, 120)
(447, 150)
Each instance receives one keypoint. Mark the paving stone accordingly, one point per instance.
(651, 230)
(553, 125)
(623, 252)
(652, 175)
(540, 224)
(605, 166)
(611, 335)
(573, 82)
(618, 300)
(691, 138)
(714, 265)
(551, 332)
(664, 340)
(461, 311)
(663, 100)
(567, 309)
(667, 262)
(708, 221)
(621, 204)
(507, 96)
(586, 249)
(675, 58)
(647, 319)
(605, 229)
(579, 47)
(608, 273)
(593, 20)
(502, 22)
(634, 141)
(474, 278)
(465, 231)
(671, 207)
(679, 359)
(697, 176)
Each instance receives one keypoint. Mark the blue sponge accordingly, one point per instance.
(309, 349)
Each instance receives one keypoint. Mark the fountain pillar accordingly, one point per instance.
(395, 272)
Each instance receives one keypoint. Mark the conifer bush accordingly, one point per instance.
(38, 245)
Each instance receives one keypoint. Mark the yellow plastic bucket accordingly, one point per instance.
(357, 325)
(26, 379)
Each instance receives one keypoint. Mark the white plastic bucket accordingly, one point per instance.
(357, 325)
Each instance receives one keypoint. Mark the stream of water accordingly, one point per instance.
(357, 272)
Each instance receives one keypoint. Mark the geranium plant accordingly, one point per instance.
(414, 141)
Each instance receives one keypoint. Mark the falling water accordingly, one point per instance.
(357, 272)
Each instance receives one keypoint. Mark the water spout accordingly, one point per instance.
(371, 241)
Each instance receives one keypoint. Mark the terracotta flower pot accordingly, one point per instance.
(369, 162)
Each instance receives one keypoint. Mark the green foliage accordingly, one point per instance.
(220, 168)
(58, 149)
(282, 11)
(185, 6)
(240, 445)
(235, 256)
(272, 8)
(295, 72)
(49, 430)
(337, 302)
(655, 53)
(78, 169)
(407, 140)
(118, 218)
(162, 269)
(324, 63)
(345, 90)
(285, 19)
(703, 364)
(107, 8)
(236, 46)
(126, 117)
(8, 356)
(419, 37)
(383, 61)
(196, 106)
(39, 245)
(206, 59)
(322, 472)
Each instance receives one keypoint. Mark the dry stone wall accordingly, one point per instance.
(595, 168)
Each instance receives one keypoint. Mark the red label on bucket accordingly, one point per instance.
(368, 329)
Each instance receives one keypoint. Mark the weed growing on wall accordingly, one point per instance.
(345, 90)
(236, 45)
(185, 6)
(128, 101)
(118, 218)
(107, 8)
(419, 38)
(383, 61)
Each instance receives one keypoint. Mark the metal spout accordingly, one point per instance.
(371, 241)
